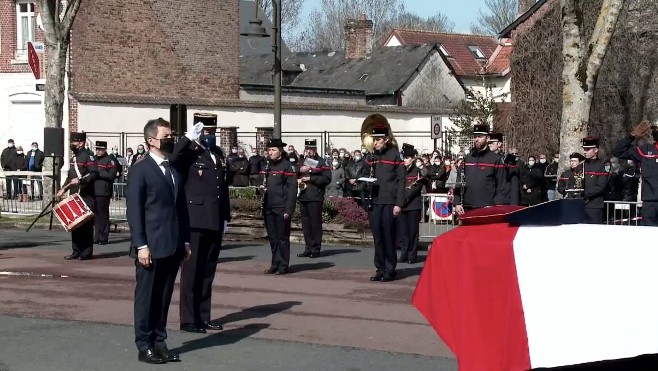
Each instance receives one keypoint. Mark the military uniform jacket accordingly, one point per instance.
(596, 183)
(390, 172)
(485, 178)
(205, 183)
(647, 156)
(281, 184)
(85, 164)
(566, 182)
(107, 172)
(413, 186)
(320, 179)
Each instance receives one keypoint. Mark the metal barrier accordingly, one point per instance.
(437, 216)
(623, 213)
(21, 193)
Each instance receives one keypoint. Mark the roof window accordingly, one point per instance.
(476, 51)
(443, 50)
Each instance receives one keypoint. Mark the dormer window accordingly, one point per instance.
(477, 52)
(443, 50)
(24, 26)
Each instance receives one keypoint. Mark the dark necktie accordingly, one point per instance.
(168, 175)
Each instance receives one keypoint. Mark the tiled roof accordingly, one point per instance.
(499, 63)
(383, 72)
(462, 60)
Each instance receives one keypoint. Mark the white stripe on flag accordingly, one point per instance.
(589, 292)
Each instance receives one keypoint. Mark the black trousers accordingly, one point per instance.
(408, 231)
(593, 216)
(311, 213)
(650, 213)
(153, 291)
(384, 232)
(278, 232)
(102, 219)
(9, 184)
(82, 238)
(197, 275)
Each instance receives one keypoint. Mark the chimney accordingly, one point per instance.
(358, 37)
(524, 5)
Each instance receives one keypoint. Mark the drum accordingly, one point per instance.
(72, 212)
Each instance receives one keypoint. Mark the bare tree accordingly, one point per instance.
(57, 17)
(404, 19)
(325, 27)
(499, 14)
(582, 63)
(291, 11)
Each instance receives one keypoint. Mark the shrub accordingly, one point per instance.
(349, 213)
(245, 193)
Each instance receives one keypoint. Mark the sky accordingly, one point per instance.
(461, 12)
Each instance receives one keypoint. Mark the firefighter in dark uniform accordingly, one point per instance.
(484, 175)
(386, 194)
(204, 169)
(280, 197)
(645, 154)
(409, 218)
(571, 181)
(310, 199)
(107, 174)
(595, 182)
(495, 145)
(83, 172)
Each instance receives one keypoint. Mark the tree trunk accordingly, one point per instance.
(582, 63)
(54, 105)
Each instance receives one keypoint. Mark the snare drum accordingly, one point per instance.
(72, 212)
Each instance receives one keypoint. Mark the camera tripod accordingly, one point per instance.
(48, 209)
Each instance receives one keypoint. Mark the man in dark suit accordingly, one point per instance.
(160, 235)
(204, 170)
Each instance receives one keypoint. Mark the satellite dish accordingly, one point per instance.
(40, 22)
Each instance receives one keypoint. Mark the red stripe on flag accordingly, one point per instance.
(469, 293)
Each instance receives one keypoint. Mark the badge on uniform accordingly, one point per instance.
(200, 172)
(91, 158)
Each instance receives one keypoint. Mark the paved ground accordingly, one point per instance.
(326, 315)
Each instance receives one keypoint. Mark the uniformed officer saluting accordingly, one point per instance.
(204, 171)
(82, 174)
(408, 227)
(484, 175)
(278, 204)
(387, 196)
(310, 199)
(107, 172)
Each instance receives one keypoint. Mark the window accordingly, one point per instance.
(443, 50)
(477, 53)
(24, 26)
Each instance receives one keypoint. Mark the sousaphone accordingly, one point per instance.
(369, 123)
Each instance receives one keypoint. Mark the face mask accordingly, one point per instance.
(342, 154)
(607, 168)
(292, 159)
(210, 141)
(357, 158)
(531, 163)
(419, 164)
(140, 151)
(234, 150)
(542, 160)
(19, 152)
(167, 145)
(556, 160)
(129, 154)
(11, 145)
(335, 163)
(115, 152)
(630, 163)
(34, 148)
(253, 153)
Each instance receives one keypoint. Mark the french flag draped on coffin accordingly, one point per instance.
(506, 297)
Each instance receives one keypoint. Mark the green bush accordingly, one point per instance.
(244, 193)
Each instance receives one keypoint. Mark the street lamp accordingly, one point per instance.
(256, 29)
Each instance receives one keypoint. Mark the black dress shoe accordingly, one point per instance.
(281, 272)
(411, 261)
(314, 255)
(270, 270)
(387, 278)
(150, 356)
(215, 326)
(193, 328)
(377, 277)
(85, 257)
(74, 256)
(167, 355)
(305, 254)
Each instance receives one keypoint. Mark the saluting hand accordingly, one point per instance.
(641, 129)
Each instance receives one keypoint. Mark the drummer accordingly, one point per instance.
(83, 171)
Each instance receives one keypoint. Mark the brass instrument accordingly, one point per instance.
(263, 187)
(301, 187)
(366, 131)
(418, 179)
